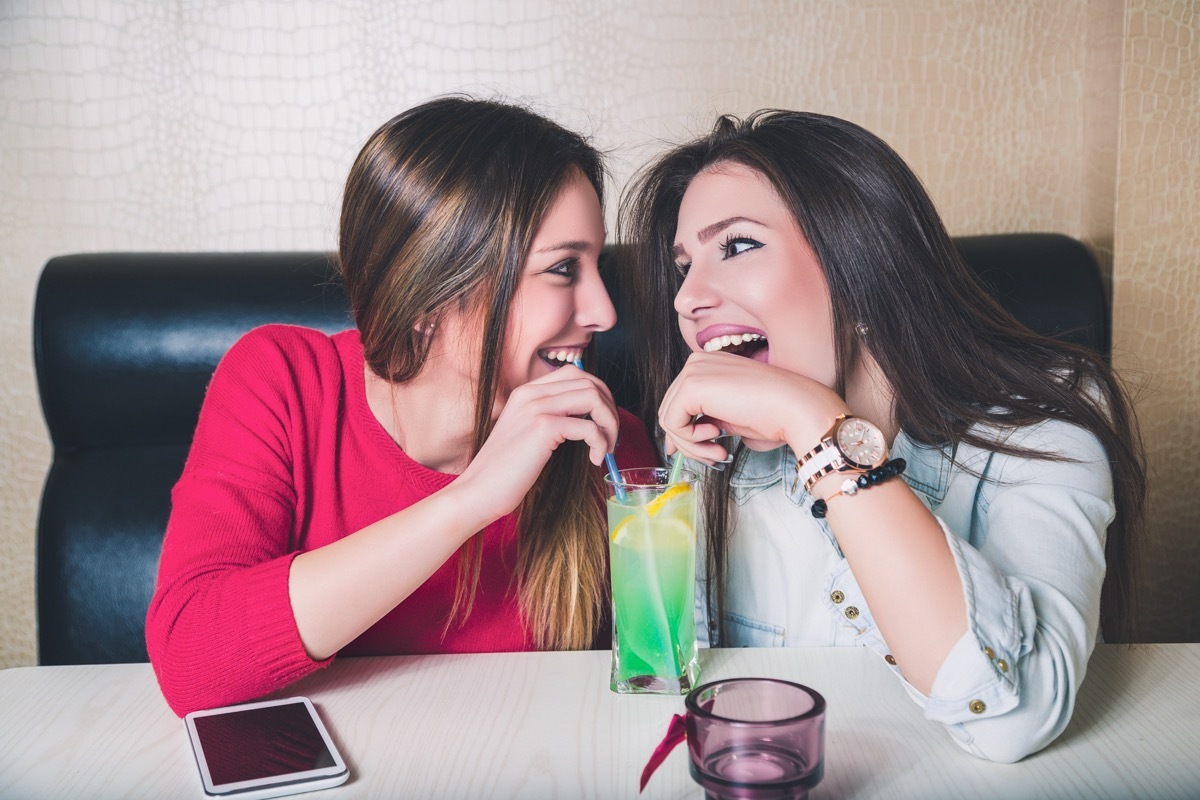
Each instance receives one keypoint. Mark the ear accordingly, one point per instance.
(426, 324)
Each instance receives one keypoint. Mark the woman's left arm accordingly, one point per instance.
(1034, 582)
(909, 578)
(1031, 569)
(906, 570)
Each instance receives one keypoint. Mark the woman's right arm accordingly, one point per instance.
(392, 557)
(237, 613)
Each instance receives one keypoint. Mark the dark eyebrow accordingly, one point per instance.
(709, 231)
(578, 246)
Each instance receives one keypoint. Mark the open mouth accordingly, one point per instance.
(739, 344)
(558, 357)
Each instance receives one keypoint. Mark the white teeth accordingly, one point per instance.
(721, 342)
(565, 356)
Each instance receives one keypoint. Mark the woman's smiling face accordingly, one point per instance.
(561, 302)
(753, 285)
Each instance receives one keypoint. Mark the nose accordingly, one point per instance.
(594, 310)
(696, 293)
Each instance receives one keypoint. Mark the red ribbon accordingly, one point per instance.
(676, 733)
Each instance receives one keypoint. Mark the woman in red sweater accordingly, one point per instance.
(333, 479)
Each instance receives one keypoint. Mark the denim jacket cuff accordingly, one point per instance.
(967, 686)
(980, 676)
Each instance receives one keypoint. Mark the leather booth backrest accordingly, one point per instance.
(124, 346)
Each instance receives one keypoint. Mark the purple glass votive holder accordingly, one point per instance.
(756, 738)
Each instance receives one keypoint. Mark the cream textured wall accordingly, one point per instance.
(150, 125)
(1156, 288)
(1101, 123)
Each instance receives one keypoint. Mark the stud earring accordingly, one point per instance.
(862, 329)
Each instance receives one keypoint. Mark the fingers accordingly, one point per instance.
(706, 452)
(573, 399)
(743, 397)
(683, 403)
(570, 372)
(573, 429)
(683, 420)
(699, 441)
(583, 405)
(532, 421)
(569, 377)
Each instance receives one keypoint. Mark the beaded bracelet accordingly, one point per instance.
(850, 487)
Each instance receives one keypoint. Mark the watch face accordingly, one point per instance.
(861, 443)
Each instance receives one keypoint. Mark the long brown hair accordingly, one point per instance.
(440, 210)
(956, 360)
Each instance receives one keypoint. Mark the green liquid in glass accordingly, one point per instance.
(653, 555)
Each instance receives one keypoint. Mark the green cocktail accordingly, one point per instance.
(652, 549)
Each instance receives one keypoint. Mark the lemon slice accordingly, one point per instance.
(657, 504)
(668, 509)
(625, 528)
(676, 532)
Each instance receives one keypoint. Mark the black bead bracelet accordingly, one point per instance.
(872, 477)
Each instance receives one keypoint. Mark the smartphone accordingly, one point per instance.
(267, 749)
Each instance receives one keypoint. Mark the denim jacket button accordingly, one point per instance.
(977, 707)
(851, 613)
(837, 597)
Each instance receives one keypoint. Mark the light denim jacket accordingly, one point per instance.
(1027, 537)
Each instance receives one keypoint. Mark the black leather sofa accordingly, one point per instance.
(125, 343)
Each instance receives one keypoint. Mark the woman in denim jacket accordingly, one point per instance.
(831, 330)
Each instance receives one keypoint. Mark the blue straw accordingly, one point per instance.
(610, 462)
(615, 476)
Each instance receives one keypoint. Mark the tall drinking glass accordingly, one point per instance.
(652, 549)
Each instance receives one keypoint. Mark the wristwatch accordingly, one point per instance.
(852, 445)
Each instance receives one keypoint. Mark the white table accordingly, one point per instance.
(537, 725)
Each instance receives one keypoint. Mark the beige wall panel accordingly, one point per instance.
(1101, 126)
(137, 124)
(1156, 288)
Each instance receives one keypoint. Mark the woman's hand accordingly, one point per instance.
(566, 405)
(721, 393)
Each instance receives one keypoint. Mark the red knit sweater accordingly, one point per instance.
(288, 457)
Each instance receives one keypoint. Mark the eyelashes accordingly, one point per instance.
(567, 268)
(733, 245)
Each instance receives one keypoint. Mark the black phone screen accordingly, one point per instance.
(261, 743)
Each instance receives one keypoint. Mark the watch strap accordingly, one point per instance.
(825, 458)
(816, 464)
